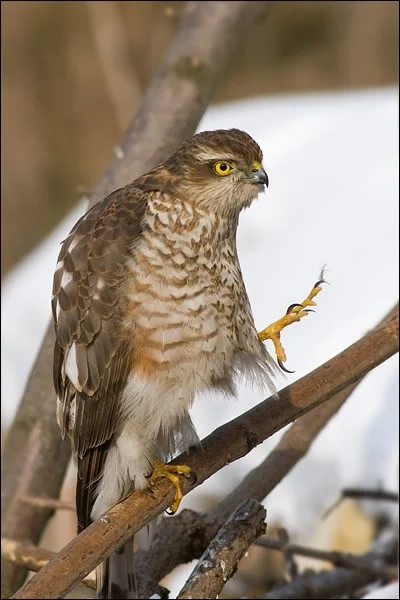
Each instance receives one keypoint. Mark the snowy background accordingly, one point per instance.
(332, 161)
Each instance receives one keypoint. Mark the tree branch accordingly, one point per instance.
(360, 494)
(340, 559)
(33, 558)
(189, 532)
(41, 502)
(226, 444)
(171, 109)
(333, 584)
(110, 38)
(363, 493)
(220, 560)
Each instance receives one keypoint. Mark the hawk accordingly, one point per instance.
(150, 308)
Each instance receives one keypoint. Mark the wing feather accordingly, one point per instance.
(92, 353)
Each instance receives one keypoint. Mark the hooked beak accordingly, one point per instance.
(260, 177)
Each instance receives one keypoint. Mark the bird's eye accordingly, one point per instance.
(222, 168)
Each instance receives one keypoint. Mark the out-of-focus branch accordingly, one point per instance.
(363, 494)
(220, 560)
(366, 494)
(110, 37)
(34, 462)
(34, 458)
(33, 558)
(333, 584)
(226, 444)
(41, 502)
(340, 559)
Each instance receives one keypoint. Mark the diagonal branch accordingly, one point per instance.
(189, 533)
(228, 443)
(170, 111)
(220, 560)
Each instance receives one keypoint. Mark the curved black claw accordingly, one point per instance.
(282, 366)
(292, 306)
(320, 282)
(321, 279)
(169, 512)
(307, 310)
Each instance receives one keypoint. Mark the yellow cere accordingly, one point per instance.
(256, 166)
(222, 168)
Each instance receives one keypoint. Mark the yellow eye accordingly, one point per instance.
(222, 168)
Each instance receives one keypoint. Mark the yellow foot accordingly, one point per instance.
(294, 313)
(171, 472)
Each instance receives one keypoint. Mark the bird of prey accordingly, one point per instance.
(150, 308)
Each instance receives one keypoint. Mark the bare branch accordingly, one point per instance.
(171, 109)
(220, 561)
(291, 564)
(41, 502)
(109, 34)
(340, 559)
(33, 558)
(360, 493)
(333, 584)
(226, 444)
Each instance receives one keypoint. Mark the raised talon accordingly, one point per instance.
(171, 472)
(294, 313)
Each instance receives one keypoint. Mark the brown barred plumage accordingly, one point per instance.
(149, 308)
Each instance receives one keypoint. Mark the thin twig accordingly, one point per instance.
(33, 558)
(361, 493)
(340, 559)
(34, 459)
(226, 444)
(41, 502)
(292, 567)
(220, 560)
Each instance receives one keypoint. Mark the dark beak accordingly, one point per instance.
(260, 177)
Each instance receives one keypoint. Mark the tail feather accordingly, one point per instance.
(116, 576)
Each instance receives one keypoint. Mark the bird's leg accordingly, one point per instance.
(294, 313)
(171, 472)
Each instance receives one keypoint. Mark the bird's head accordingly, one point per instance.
(219, 170)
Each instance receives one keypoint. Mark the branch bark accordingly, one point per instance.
(226, 444)
(171, 109)
(220, 560)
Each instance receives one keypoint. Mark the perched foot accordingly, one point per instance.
(171, 472)
(294, 313)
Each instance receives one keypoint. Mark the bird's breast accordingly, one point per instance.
(182, 298)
